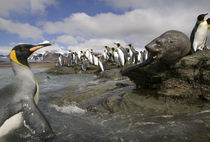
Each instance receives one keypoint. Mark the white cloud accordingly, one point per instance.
(39, 6)
(145, 21)
(6, 6)
(135, 4)
(97, 44)
(23, 6)
(66, 39)
(24, 30)
(5, 50)
(139, 26)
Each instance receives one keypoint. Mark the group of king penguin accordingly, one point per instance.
(119, 55)
(82, 57)
(18, 100)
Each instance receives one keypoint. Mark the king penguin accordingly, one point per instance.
(208, 21)
(199, 33)
(18, 100)
(100, 64)
(121, 57)
(125, 53)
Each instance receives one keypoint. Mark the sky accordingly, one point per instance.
(82, 24)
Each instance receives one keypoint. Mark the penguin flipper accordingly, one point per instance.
(35, 121)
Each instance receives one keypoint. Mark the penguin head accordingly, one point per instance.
(201, 17)
(208, 21)
(130, 45)
(118, 44)
(21, 52)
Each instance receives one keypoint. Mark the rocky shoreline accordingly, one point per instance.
(188, 79)
(184, 87)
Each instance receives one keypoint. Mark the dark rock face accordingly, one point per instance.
(188, 78)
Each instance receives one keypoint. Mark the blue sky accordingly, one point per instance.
(82, 24)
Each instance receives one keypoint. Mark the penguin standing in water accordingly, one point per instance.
(199, 34)
(18, 100)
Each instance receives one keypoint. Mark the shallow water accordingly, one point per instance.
(72, 122)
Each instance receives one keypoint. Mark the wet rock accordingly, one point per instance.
(113, 74)
(121, 85)
(189, 78)
(74, 69)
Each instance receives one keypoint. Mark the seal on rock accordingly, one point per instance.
(168, 48)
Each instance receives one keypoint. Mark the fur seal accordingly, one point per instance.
(168, 48)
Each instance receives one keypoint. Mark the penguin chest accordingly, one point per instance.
(11, 124)
(201, 33)
(121, 57)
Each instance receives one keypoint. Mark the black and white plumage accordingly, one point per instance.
(199, 34)
(133, 53)
(121, 57)
(100, 64)
(18, 100)
(70, 58)
(116, 57)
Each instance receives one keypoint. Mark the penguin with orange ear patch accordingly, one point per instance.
(199, 34)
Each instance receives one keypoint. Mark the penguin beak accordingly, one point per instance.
(36, 47)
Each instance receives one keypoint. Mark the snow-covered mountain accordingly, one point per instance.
(47, 54)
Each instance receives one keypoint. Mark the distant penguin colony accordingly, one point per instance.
(18, 100)
(118, 55)
(121, 56)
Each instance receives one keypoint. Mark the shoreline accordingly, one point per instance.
(32, 64)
